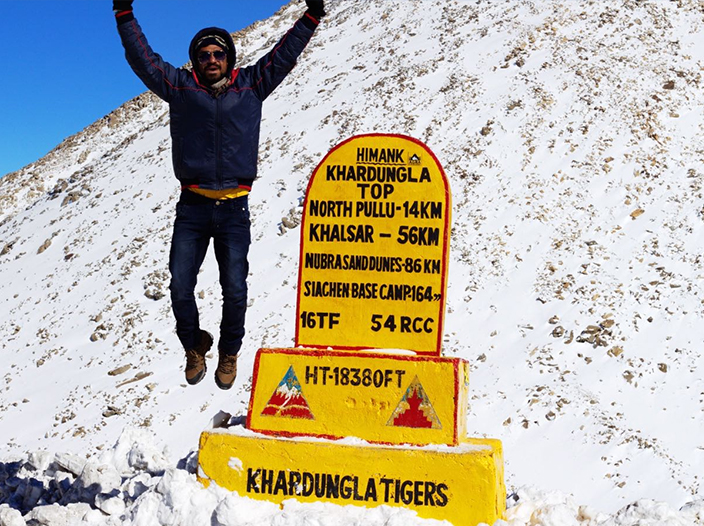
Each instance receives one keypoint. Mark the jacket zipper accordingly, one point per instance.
(218, 141)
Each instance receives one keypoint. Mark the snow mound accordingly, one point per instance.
(133, 484)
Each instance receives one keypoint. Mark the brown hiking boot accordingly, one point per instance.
(195, 359)
(226, 372)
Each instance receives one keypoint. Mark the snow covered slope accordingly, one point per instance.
(572, 136)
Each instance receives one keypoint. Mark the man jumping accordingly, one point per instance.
(215, 112)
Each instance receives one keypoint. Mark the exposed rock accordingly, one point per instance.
(637, 213)
(120, 370)
(615, 351)
(44, 246)
(112, 411)
(7, 248)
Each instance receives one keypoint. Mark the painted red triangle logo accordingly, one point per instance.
(415, 409)
(288, 400)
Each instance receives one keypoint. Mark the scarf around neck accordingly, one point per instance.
(220, 86)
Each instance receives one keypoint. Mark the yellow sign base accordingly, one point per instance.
(462, 485)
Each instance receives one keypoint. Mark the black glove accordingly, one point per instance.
(121, 5)
(124, 7)
(316, 8)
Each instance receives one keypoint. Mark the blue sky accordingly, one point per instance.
(64, 67)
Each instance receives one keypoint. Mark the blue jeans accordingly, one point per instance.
(198, 219)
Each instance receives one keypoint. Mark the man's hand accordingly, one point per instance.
(121, 5)
(316, 8)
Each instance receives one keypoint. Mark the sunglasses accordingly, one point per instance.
(204, 56)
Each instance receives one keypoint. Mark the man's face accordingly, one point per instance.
(209, 67)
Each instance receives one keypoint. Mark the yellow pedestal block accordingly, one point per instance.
(462, 484)
(383, 398)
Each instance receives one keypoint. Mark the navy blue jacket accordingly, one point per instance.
(215, 139)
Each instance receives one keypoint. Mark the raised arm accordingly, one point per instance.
(158, 75)
(270, 70)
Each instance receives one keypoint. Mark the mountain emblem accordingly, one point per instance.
(415, 409)
(288, 400)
